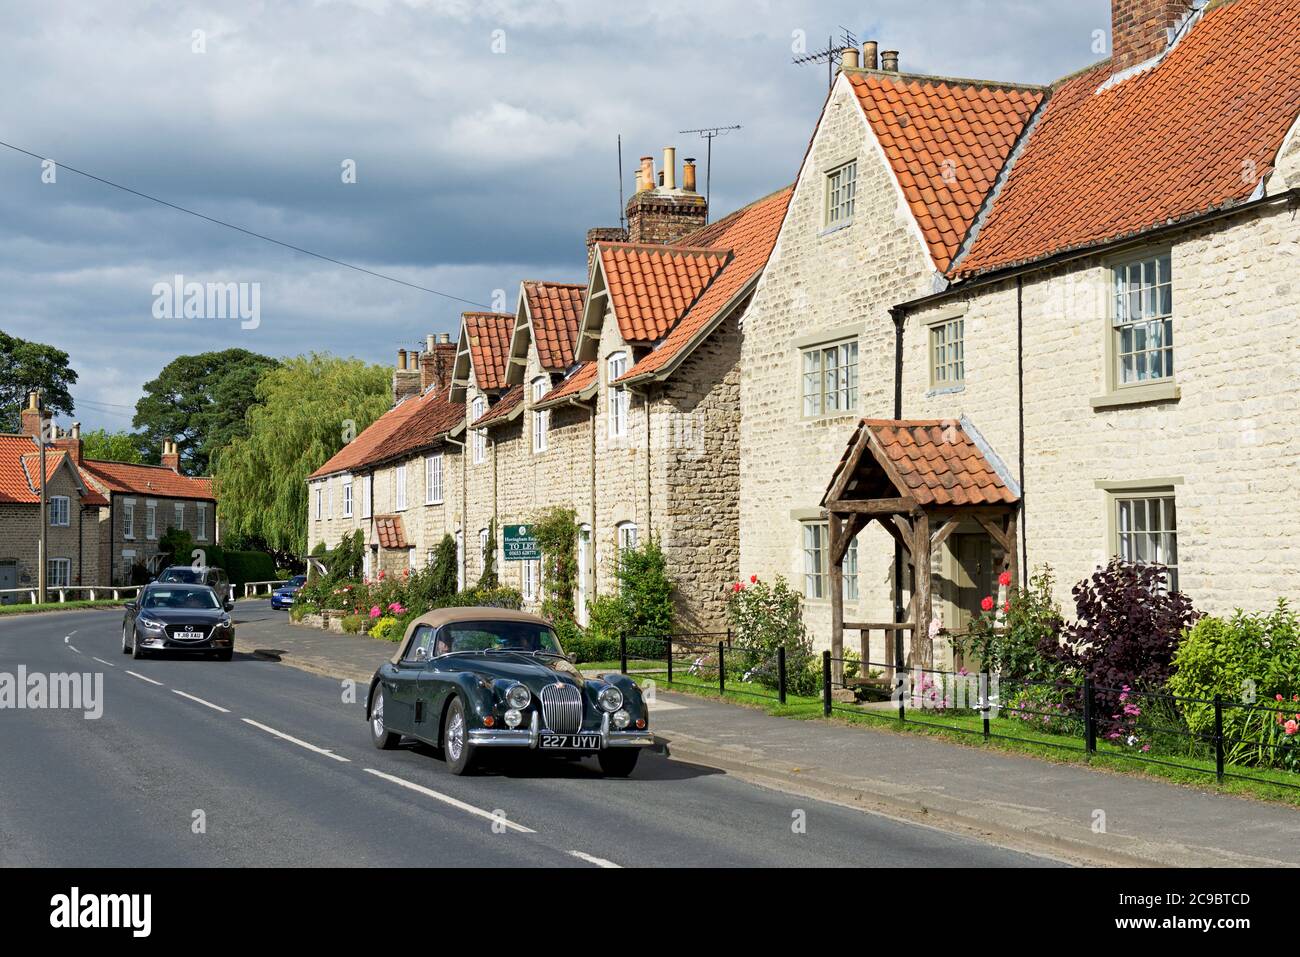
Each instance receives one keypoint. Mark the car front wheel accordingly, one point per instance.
(380, 736)
(126, 645)
(618, 763)
(456, 749)
(136, 651)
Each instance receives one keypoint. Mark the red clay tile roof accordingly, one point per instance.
(581, 379)
(417, 423)
(556, 310)
(651, 286)
(489, 347)
(128, 479)
(947, 141)
(20, 472)
(934, 461)
(1160, 146)
(501, 409)
(750, 233)
(391, 532)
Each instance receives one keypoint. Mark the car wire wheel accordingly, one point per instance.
(377, 716)
(455, 735)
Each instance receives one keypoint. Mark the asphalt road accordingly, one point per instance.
(276, 767)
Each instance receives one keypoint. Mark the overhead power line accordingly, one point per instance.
(241, 229)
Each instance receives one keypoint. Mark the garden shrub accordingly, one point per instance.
(764, 618)
(489, 581)
(645, 589)
(1248, 658)
(607, 617)
(556, 531)
(1010, 643)
(500, 597)
(385, 629)
(355, 624)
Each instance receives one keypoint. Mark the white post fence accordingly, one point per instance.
(94, 592)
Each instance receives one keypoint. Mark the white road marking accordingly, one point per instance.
(591, 859)
(74, 648)
(66, 639)
(448, 799)
(143, 678)
(206, 704)
(103, 662)
(293, 740)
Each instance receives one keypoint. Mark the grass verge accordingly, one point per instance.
(1005, 734)
(29, 609)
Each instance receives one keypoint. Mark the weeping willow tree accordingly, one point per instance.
(306, 410)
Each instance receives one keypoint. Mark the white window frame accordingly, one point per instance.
(347, 498)
(460, 559)
(366, 485)
(56, 508)
(1141, 305)
(839, 361)
(482, 548)
(399, 488)
(61, 578)
(433, 479)
(178, 516)
(627, 535)
(541, 417)
(202, 508)
(477, 409)
(585, 564)
(815, 545)
(128, 519)
(320, 502)
(150, 519)
(616, 395)
(1139, 541)
(841, 194)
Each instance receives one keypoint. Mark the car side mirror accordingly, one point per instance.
(229, 604)
(422, 653)
(130, 606)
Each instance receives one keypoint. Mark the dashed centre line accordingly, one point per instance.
(297, 741)
(196, 698)
(103, 662)
(454, 802)
(592, 859)
(134, 674)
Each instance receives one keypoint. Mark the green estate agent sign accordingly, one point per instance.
(518, 545)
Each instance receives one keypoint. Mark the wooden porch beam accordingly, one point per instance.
(872, 506)
(852, 526)
(941, 535)
(998, 535)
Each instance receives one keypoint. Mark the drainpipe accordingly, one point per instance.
(899, 315)
(1020, 376)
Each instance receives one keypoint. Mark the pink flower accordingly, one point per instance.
(1004, 579)
(1280, 698)
(987, 603)
(374, 612)
(396, 608)
(1006, 607)
(736, 586)
(1291, 727)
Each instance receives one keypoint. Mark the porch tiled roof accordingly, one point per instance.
(933, 461)
(947, 141)
(650, 287)
(1195, 133)
(501, 409)
(556, 311)
(390, 531)
(488, 334)
(581, 379)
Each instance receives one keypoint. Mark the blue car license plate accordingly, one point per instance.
(570, 742)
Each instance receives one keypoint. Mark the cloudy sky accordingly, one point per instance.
(483, 136)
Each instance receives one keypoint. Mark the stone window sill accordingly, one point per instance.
(831, 230)
(946, 390)
(1167, 391)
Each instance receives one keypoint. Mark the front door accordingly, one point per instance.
(972, 578)
(585, 565)
(8, 579)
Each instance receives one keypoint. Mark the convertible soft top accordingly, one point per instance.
(443, 616)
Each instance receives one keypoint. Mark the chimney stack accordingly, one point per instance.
(603, 234)
(688, 174)
(436, 363)
(406, 377)
(30, 419)
(871, 55)
(889, 61)
(1142, 29)
(171, 458)
(664, 215)
(849, 58)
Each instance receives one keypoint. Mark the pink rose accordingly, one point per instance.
(374, 612)
(1004, 579)
(987, 603)
(1291, 727)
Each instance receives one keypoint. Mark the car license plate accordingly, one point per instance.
(570, 742)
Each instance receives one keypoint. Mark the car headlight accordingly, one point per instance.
(519, 697)
(513, 718)
(621, 719)
(224, 622)
(148, 623)
(610, 698)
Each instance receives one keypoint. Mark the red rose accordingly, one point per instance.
(987, 603)
(753, 579)
(1006, 607)
(1004, 579)
(735, 586)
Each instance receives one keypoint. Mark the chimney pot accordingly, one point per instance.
(401, 358)
(688, 174)
(871, 55)
(76, 430)
(670, 167)
(849, 58)
(889, 61)
(444, 337)
(646, 178)
(428, 343)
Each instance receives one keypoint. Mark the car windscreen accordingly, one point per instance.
(297, 580)
(496, 636)
(202, 599)
(190, 575)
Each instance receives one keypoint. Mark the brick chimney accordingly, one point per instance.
(71, 443)
(602, 234)
(31, 416)
(662, 213)
(1142, 29)
(437, 362)
(171, 457)
(406, 378)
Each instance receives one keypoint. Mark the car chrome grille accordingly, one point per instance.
(562, 708)
(179, 633)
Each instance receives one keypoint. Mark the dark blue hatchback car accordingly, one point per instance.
(282, 597)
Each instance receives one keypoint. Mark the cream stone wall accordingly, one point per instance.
(1227, 446)
(825, 285)
(20, 529)
(113, 558)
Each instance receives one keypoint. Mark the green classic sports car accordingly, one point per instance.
(470, 678)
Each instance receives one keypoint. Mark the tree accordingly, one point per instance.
(25, 366)
(307, 409)
(111, 446)
(202, 402)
